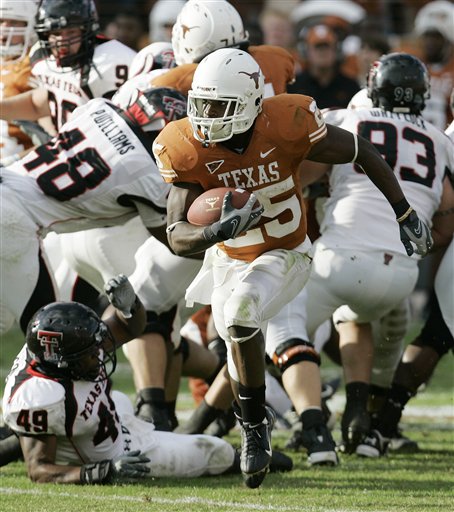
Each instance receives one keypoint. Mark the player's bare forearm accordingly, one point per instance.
(125, 329)
(31, 106)
(339, 147)
(39, 456)
(184, 238)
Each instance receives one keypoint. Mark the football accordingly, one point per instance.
(206, 209)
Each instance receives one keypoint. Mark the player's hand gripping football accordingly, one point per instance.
(415, 235)
(129, 466)
(121, 294)
(233, 220)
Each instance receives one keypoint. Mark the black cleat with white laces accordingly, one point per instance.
(256, 451)
(373, 445)
(321, 448)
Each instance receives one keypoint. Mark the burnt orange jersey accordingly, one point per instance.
(276, 63)
(14, 79)
(284, 132)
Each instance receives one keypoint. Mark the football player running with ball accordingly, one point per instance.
(259, 257)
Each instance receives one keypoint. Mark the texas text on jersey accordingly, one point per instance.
(108, 71)
(283, 135)
(71, 410)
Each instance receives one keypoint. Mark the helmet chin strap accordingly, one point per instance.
(206, 142)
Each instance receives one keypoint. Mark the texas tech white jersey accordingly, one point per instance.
(109, 70)
(80, 413)
(87, 175)
(357, 215)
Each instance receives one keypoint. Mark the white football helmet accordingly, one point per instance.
(17, 10)
(204, 26)
(228, 81)
(436, 16)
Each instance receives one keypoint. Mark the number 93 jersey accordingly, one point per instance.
(357, 215)
(108, 71)
(88, 175)
(80, 414)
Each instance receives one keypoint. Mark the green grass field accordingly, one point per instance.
(422, 482)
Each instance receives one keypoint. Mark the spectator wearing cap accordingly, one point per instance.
(322, 77)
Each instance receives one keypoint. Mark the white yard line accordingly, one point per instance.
(226, 505)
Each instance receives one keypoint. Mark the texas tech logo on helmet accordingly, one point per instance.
(51, 342)
(174, 107)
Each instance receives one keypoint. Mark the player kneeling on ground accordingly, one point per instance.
(72, 428)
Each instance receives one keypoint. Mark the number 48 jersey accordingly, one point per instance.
(357, 215)
(90, 174)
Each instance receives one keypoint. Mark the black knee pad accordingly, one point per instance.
(294, 351)
(435, 333)
(161, 323)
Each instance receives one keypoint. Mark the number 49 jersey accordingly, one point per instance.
(357, 215)
(90, 174)
(80, 414)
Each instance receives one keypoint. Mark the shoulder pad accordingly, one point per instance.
(174, 150)
(179, 78)
(293, 117)
(37, 408)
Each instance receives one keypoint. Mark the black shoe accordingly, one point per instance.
(223, 424)
(295, 443)
(399, 443)
(151, 413)
(355, 426)
(280, 463)
(320, 446)
(256, 451)
(373, 445)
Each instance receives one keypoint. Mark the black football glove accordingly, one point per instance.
(124, 468)
(121, 294)
(414, 231)
(233, 220)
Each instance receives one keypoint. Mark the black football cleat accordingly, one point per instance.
(256, 451)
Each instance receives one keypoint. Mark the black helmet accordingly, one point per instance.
(55, 15)
(153, 108)
(61, 334)
(399, 82)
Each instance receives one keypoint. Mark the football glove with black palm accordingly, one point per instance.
(415, 235)
(124, 468)
(121, 294)
(233, 220)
